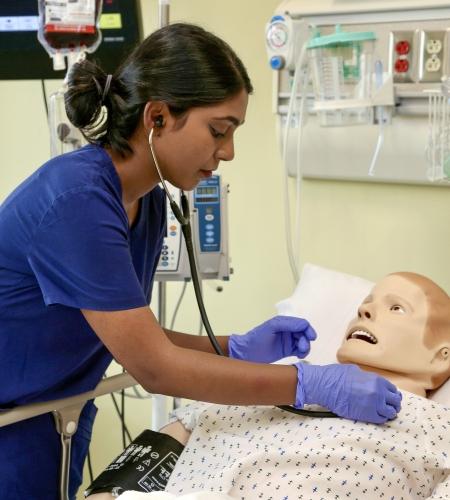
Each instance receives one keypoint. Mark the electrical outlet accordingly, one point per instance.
(433, 46)
(402, 49)
(433, 64)
(432, 54)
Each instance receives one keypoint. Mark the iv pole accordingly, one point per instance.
(163, 21)
(158, 401)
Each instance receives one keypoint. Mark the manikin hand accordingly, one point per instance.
(348, 391)
(277, 338)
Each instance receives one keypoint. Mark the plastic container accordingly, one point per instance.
(342, 71)
(438, 147)
(64, 137)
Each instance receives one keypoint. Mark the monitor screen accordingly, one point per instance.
(23, 57)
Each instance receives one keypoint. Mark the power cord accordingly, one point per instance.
(44, 95)
(121, 418)
(89, 464)
(177, 306)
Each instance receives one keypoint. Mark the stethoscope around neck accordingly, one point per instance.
(183, 216)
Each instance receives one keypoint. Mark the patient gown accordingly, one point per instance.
(266, 453)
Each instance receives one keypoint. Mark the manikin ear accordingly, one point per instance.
(440, 366)
(156, 114)
(443, 354)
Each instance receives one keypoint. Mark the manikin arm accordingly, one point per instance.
(175, 429)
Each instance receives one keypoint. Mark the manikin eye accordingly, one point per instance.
(397, 309)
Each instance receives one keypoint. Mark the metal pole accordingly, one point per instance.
(159, 408)
(164, 7)
(162, 303)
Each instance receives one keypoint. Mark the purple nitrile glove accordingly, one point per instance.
(348, 391)
(277, 338)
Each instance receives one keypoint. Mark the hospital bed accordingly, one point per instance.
(327, 298)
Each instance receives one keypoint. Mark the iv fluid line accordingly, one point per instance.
(380, 117)
(302, 107)
(292, 100)
(177, 306)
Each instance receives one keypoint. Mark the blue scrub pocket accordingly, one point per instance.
(80, 447)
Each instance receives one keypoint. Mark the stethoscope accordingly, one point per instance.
(184, 218)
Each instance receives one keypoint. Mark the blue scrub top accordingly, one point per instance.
(65, 245)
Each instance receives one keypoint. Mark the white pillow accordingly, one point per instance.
(329, 300)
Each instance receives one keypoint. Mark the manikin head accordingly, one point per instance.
(402, 332)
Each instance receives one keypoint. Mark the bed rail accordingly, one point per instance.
(66, 412)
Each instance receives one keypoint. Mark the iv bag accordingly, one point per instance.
(67, 27)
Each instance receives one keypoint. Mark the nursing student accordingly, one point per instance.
(79, 243)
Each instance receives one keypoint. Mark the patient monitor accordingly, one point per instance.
(402, 332)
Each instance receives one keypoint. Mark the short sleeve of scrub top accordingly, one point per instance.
(81, 256)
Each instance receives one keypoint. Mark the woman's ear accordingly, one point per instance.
(155, 115)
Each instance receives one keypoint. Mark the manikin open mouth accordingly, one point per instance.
(360, 334)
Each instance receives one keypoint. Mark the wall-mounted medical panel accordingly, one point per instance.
(408, 133)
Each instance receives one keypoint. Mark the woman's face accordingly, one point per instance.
(190, 149)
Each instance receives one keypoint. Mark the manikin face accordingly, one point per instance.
(388, 333)
(191, 151)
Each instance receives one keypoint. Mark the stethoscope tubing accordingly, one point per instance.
(183, 217)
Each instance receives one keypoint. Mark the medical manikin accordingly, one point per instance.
(402, 332)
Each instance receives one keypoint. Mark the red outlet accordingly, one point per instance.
(402, 47)
(401, 65)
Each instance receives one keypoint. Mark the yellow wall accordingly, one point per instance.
(364, 229)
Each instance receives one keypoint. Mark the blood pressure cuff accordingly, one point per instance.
(145, 465)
